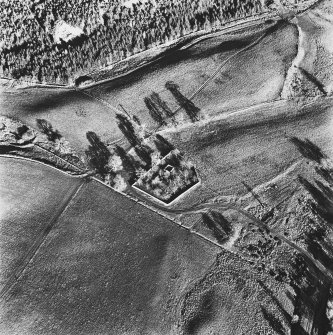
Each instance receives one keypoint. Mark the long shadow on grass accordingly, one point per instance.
(308, 149)
(36, 102)
(203, 314)
(192, 54)
(323, 197)
(273, 321)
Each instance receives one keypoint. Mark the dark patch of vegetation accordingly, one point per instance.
(221, 221)
(46, 128)
(154, 111)
(128, 164)
(273, 321)
(20, 131)
(155, 97)
(269, 2)
(271, 294)
(98, 154)
(162, 145)
(175, 159)
(126, 127)
(216, 223)
(325, 174)
(82, 79)
(191, 110)
(203, 314)
(144, 153)
(8, 149)
(30, 39)
(136, 120)
(299, 272)
(323, 197)
(170, 177)
(314, 80)
(308, 149)
(315, 248)
(320, 247)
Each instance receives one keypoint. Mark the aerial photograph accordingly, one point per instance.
(166, 167)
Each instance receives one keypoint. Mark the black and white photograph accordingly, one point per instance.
(166, 167)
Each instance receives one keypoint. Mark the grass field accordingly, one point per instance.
(312, 70)
(227, 153)
(71, 112)
(30, 197)
(254, 76)
(108, 265)
(247, 74)
(189, 68)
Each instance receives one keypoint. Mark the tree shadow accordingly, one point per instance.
(323, 197)
(313, 80)
(216, 226)
(163, 145)
(276, 301)
(98, 154)
(308, 149)
(190, 108)
(202, 314)
(46, 128)
(325, 174)
(273, 321)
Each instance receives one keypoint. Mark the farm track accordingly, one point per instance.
(42, 236)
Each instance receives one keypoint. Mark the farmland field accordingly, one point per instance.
(30, 197)
(107, 264)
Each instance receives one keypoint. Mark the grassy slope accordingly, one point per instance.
(253, 77)
(109, 265)
(29, 198)
(73, 114)
(227, 153)
(189, 68)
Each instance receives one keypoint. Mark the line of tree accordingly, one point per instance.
(154, 111)
(190, 108)
(128, 163)
(158, 109)
(218, 224)
(127, 128)
(144, 153)
(162, 145)
(98, 154)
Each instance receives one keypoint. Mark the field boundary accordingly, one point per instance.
(39, 241)
(44, 164)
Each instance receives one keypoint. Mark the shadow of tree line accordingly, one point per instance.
(312, 290)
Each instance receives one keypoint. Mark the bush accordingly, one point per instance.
(46, 128)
